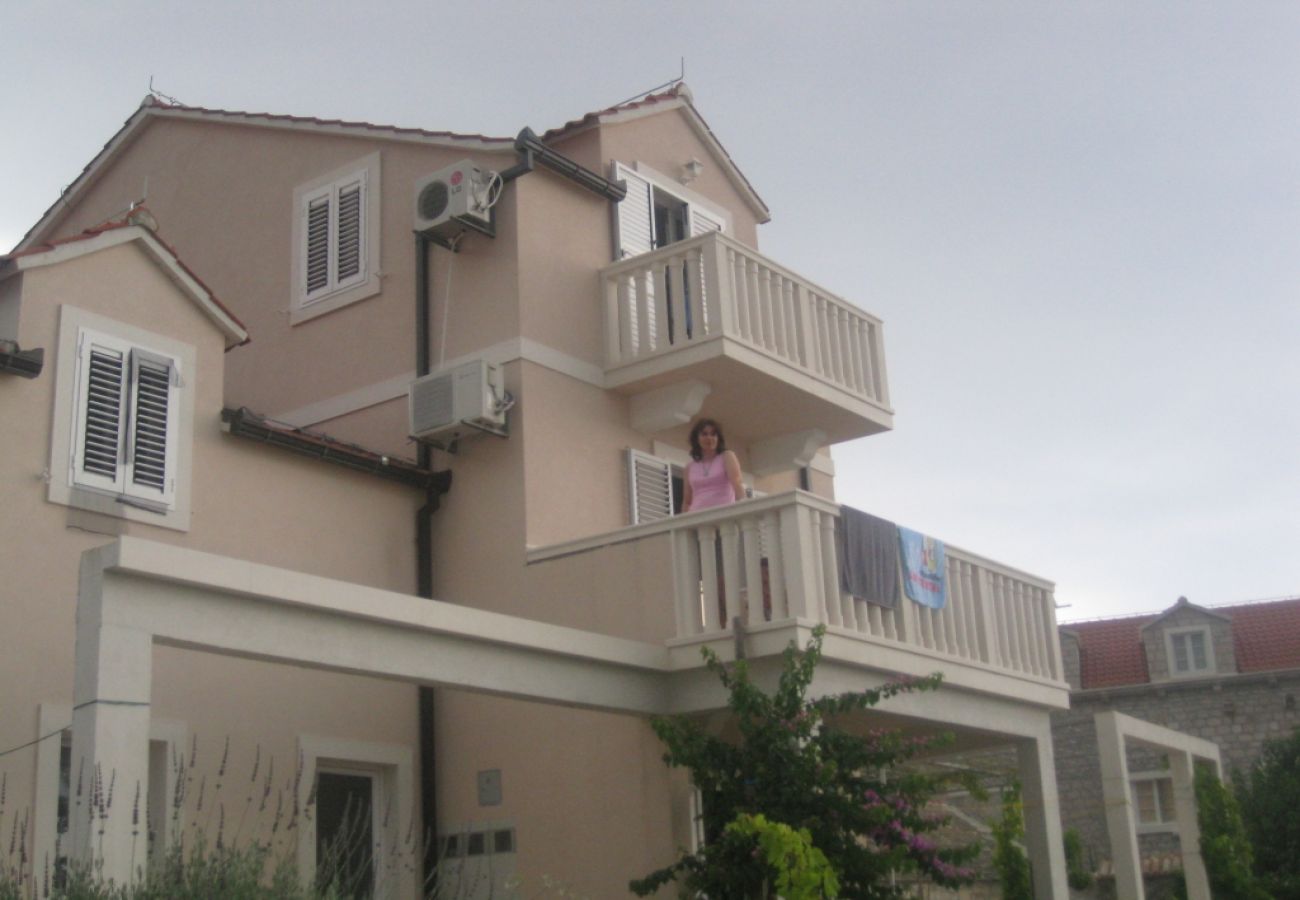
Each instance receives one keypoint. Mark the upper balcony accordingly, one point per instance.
(772, 565)
(778, 353)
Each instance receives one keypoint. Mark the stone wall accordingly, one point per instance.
(1237, 712)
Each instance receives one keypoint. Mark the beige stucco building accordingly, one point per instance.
(473, 653)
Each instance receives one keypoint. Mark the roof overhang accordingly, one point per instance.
(94, 241)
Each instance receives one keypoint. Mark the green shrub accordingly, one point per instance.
(1010, 861)
(1270, 801)
(793, 764)
(1224, 846)
(1077, 871)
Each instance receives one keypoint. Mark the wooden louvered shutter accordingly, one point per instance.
(151, 453)
(703, 222)
(101, 411)
(650, 487)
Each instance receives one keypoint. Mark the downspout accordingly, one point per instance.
(532, 152)
(424, 583)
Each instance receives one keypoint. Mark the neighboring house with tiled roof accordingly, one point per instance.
(1228, 674)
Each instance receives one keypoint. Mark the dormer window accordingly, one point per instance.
(1189, 652)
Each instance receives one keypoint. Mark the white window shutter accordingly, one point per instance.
(634, 231)
(650, 487)
(101, 416)
(151, 450)
(703, 222)
(351, 205)
(316, 252)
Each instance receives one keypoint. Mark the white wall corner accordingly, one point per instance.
(668, 406)
(787, 451)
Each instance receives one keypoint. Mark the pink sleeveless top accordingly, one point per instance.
(709, 484)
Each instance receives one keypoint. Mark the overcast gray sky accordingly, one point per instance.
(1080, 223)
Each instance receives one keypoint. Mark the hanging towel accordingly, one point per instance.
(924, 570)
(868, 551)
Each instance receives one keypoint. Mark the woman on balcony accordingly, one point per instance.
(713, 475)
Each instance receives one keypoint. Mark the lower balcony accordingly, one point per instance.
(763, 569)
(778, 353)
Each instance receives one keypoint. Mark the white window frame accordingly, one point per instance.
(70, 483)
(1168, 818)
(701, 214)
(392, 804)
(336, 292)
(1172, 638)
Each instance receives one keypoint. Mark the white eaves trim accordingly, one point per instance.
(158, 252)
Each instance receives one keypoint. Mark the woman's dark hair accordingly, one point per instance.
(696, 452)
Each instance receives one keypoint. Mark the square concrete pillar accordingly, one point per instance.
(1042, 810)
(110, 740)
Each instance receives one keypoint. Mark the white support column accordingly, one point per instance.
(1189, 831)
(1043, 839)
(110, 737)
(1120, 821)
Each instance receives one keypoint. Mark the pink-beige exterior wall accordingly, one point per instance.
(592, 802)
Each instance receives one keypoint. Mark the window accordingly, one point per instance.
(1153, 798)
(336, 239)
(657, 212)
(654, 491)
(125, 432)
(362, 793)
(123, 421)
(345, 833)
(1189, 652)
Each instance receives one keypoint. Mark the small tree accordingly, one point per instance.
(795, 765)
(1270, 799)
(1008, 857)
(1225, 848)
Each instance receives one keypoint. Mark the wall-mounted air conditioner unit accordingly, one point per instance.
(458, 402)
(455, 198)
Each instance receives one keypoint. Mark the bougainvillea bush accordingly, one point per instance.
(794, 763)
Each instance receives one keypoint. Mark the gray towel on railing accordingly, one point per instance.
(868, 551)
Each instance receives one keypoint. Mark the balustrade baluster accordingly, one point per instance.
(775, 565)
(706, 538)
(760, 332)
(686, 569)
(752, 544)
(957, 605)
(740, 288)
(855, 355)
(1029, 609)
(729, 534)
(840, 604)
(842, 334)
(694, 297)
(772, 307)
(626, 312)
(809, 351)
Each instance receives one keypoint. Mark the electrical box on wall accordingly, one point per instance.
(458, 402)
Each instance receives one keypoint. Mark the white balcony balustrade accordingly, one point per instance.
(711, 296)
(774, 560)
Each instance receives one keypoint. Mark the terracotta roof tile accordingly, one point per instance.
(1110, 651)
(1266, 637)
